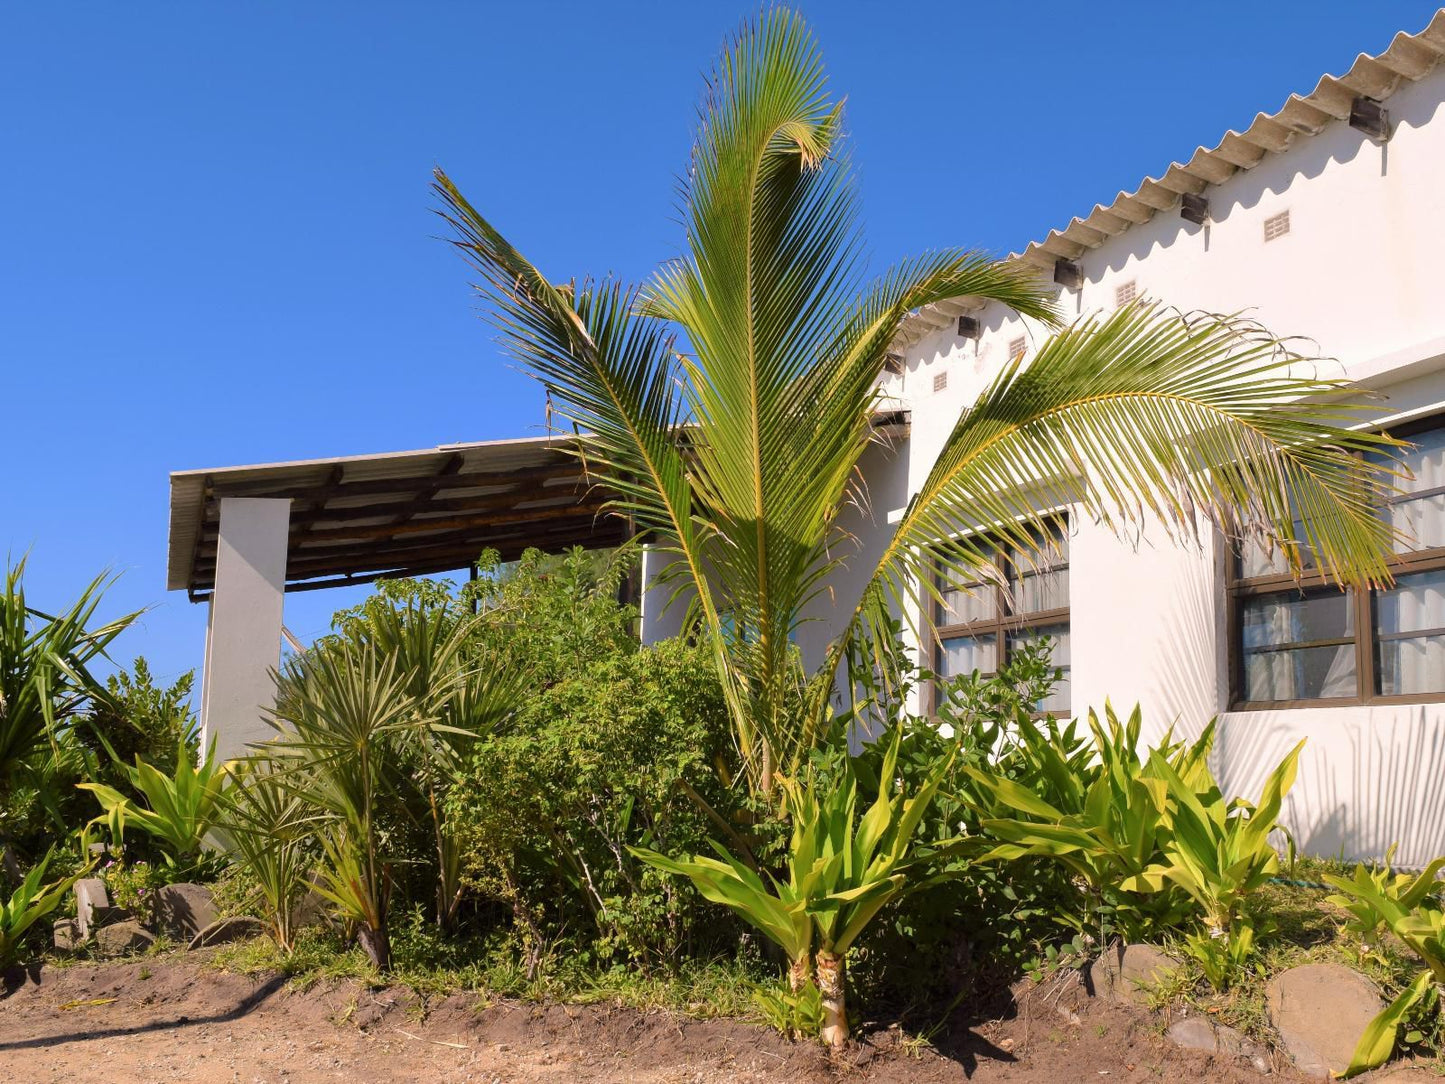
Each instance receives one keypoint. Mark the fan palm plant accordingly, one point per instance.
(728, 402)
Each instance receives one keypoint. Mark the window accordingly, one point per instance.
(981, 621)
(1125, 293)
(940, 381)
(1311, 643)
(1016, 347)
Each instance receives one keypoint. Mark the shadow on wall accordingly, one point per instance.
(1368, 777)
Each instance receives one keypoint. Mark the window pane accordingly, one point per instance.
(1254, 560)
(1275, 669)
(1289, 617)
(1309, 673)
(1058, 700)
(1421, 520)
(1039, 580)
(1410, 620)
(965, 654)
(965, 603)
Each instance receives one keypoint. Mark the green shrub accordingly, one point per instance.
(1408, 906)
(630, 750)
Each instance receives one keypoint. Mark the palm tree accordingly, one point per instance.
(727, 403)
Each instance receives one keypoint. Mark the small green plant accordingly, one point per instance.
(181, 809)
(797, 1014)
(28, 904)
(843, 869)
(1219, 852)
(1108, 820)
(265, 827)
(1409, 906)
(132, 886)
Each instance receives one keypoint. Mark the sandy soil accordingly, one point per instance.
(162, 1020)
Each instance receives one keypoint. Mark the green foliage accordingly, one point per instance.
(135, 718)
(266, 828)
(28, 904)
(1408, 906)
(842, 867)
(1219, 853)
(1097, 809)
(132, 885)
(45, 686)
(624, 752)
(798, 1015)
(179, 809)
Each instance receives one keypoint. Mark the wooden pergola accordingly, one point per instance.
(355, 519)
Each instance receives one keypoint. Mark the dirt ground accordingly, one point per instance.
(150, 1021)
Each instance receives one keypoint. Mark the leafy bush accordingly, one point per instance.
(179, 810)
(265, 827)
(28, 904)
(631, 750)
(1219, 853)
(1408, 906)
(843, 867)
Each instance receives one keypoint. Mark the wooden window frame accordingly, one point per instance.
(1365, 606)
(1003, 623)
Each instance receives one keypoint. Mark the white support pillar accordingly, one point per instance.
(243, 633)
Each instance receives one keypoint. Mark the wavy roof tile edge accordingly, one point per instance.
(1409, 58)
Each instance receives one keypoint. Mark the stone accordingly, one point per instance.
(123, 938)
(1198, 1033)
(1125, 973)
(1320, 1012)
(67, 935)
(228, 929)
(89, 894)
(183, 910)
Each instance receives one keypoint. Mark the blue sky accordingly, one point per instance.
(216, 244)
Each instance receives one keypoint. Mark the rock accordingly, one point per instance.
(1125, 974)
(1320, 1012)
(1198, 1033)
(183, 910)
(89, 894)
(312, 909)
(228, 929)
(67, 935)
(122, 938)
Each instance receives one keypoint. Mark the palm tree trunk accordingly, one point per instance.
(376, 944)
(835, 1008)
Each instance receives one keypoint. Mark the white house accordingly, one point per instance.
(1322, 219)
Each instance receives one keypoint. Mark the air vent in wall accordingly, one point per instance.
(940, 381)
(1016, 347)
(1125, 293)
(1276, 226)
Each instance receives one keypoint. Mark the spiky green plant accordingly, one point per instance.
(728, 403)
(843, 867)
(340, 712)
(266, 827)
(180, 809)
(45, 678)
(29, 903)
(1410, 907)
